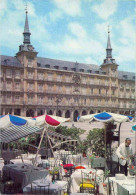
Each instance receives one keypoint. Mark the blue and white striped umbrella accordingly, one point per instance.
(15, 127)
(106, 117)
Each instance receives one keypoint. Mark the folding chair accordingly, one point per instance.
(40, 189)
(88, 184)
(121, 190)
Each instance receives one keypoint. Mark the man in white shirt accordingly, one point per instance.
(124, 153)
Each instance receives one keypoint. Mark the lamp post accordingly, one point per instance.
(76, 82)
(58, 100)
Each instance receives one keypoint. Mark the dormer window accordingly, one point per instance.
(89, 71)
(38, 64)
(73, 69)
(81, 70)
(47, 65)
(125, 76)
(104, 73)
(97, 72)
(134, 77)
(65, 68)
(56, 67)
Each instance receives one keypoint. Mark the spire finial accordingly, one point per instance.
(26, 8)
(108, 29)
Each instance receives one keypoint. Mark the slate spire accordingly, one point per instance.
(109, 49)
(26, 32)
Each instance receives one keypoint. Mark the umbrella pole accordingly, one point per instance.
(39, 146)
(49, 142)
(105, 146)
(118, 145)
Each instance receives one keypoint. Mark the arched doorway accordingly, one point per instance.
(99, 111)
(30, 113)
(50, 112)
(67, 114)
(40, 112)
(59, 113)
(91, 112)
(83, 113)
(75, 115)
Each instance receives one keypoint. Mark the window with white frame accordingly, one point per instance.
(9, 73)
(68, 89)
(40, 99)
(30, 63)
(40, 87)
(40, 75)
(9, 98)
(17, 73)
(17, 98)
(49, 100)
(30, 87)
(30, 74)
(49, 87)
(50, 76)
(17, 85)
(59, 77)
(30, 99)
(9, 84)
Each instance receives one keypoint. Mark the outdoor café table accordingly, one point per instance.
(77, 178)
(54, 188)
(74, 159)
(122, 187)
(60, 153)
(7, 155)
(19, 161)
(32, 157)
(25, 175)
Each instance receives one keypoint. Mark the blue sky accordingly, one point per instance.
(72, 30)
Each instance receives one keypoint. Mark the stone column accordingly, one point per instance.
(63, 113)
(72, 115)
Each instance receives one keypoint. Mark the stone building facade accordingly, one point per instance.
(32, 85)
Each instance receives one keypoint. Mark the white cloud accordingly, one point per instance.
(106, 8)
(102, 31)
(3, 6)
(70, 7)
(125, 47)
(90, 60)
(11, 32)
(77, 30)
(55, 15)
(77, 46)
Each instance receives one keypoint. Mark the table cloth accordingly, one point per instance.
(127, 184)
(77, 178)
(60, 153)
(55, 188)
(24, 175)
(19, 161)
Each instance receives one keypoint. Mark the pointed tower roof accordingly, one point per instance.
(108, 42)
(26, 46)
(109, 59)
(26, 28)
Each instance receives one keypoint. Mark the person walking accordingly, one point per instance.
(125, 153)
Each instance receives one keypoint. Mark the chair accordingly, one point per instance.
(40, 189)
(69, 185)
(122, 190)
(88, 184)
(11, 187)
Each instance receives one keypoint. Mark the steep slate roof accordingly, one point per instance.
(13, 61)
(126, 75)
(60, 63)
(10, 61)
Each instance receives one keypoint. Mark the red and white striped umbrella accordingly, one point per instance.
(50, 120)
